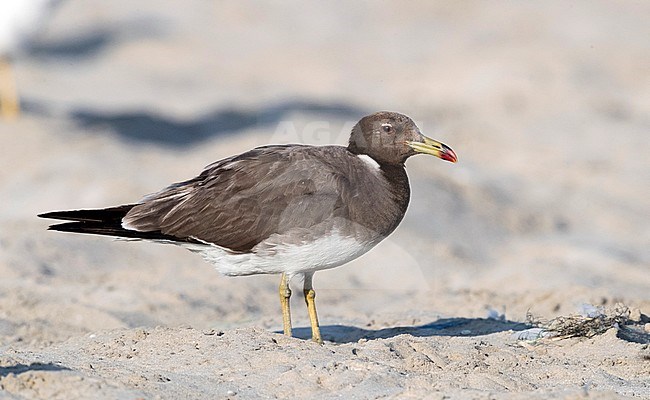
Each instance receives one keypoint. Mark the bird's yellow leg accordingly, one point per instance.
(310, 296)
(285, 296)
(9, 104)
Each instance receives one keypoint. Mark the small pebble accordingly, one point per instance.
(646, 327)
(530, 334)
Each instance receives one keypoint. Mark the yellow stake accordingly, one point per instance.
(9, 104)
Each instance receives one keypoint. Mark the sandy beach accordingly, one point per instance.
(542, 223)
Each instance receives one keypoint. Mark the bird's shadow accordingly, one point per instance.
(165, 130)
(21, 368)
(441, 327)
(92, 42)
(77, 47)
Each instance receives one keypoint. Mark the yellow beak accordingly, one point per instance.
(435, 148)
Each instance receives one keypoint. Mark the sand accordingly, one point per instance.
(544, 216)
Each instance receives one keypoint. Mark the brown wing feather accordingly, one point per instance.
(242, 200)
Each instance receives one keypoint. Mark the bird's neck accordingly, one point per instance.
(386, 199)
(398, 182)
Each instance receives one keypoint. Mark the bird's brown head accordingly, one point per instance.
(391, 138)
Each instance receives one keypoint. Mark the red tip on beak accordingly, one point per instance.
(448, 154)
(434, 148)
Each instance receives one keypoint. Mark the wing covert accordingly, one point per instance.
(242, 200)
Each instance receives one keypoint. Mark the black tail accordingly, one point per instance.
(106, 221)
(106, 215)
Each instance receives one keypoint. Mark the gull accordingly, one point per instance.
(280, 209)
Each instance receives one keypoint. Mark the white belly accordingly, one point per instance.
(291, 258)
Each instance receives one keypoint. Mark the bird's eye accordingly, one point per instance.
(388, 128)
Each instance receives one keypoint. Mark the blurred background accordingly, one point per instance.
(546, 104)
